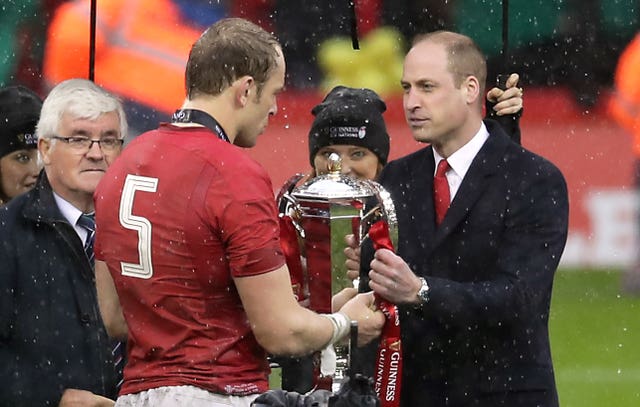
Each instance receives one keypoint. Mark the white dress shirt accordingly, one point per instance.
(460, 161)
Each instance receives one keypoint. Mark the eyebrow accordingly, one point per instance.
(85, 133)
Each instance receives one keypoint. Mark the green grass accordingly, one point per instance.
(595, 339)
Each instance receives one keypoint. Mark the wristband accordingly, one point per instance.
(341, 325)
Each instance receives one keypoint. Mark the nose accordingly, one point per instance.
(410, 100)
(346, 166)
(95, 151)
(34, 168)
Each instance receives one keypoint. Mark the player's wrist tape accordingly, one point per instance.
(341, 324)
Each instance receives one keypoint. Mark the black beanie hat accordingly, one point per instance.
(350, 116)
(19, 113)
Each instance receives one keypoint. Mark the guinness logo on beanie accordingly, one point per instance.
(347, 132)
(19, 113)
(350, 116)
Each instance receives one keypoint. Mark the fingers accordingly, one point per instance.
(370, 320)
(512, 82)
(370, 328)
(352, 253)
(353, 273)
(341, 298)
(392, 278)
(367, 299)
(496, 94)
(351, 241)
(509, 102)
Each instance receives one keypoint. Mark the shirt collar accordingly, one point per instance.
(461, 160)
(70, 212)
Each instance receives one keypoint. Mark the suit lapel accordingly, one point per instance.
(484, 167)
(415, 191)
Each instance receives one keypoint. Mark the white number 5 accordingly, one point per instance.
(133, 183)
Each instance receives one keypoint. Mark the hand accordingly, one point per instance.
(341, 298)
(370, 322)
(392, 278)
(352, 251)
(83, 398)
(507, 101)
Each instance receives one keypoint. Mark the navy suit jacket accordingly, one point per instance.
(482, 339)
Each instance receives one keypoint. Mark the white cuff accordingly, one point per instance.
(341, 325)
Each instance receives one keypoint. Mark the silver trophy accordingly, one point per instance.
(323, 210)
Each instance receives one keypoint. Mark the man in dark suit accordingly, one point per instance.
(474, 288)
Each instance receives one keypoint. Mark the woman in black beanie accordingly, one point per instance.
(19, 113)
(349, 123)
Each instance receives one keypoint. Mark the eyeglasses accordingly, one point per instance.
(107, 144)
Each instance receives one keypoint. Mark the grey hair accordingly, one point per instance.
(81, 99)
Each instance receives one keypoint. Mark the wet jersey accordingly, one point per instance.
(179, 214)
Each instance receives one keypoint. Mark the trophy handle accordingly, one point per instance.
(283, 198)
(382, 209)
(287, 205)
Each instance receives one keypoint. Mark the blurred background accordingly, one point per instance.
(566, 52)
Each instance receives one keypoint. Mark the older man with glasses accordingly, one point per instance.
(54, 349)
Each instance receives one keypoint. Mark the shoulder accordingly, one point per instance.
(514, 158)
(13, 210)
(416, 159)
(13, 224)
(529, 164)
(531, 178)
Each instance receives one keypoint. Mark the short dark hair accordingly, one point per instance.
(230, 49)
(465, 57)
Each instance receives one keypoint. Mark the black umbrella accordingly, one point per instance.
(501, 81)
(92, 39)
(354, 25)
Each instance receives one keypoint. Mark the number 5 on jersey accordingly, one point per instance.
(133, 183)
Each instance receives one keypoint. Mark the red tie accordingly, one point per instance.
(441, 195)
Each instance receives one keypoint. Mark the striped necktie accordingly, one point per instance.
(88, 222)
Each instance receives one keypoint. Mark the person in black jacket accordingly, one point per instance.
(477, 254)
(19, 112)
(54, 349)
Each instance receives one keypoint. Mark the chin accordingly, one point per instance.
(243, 140)
(91, 180)
(422, 136)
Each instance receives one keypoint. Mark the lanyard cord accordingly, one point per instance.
(200, 117)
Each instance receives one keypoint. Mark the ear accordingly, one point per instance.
(245, 87)
(471, 86)
(44, 149)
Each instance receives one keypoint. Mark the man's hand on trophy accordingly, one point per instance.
(352, 251)
(393, 279)
(361, 309)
